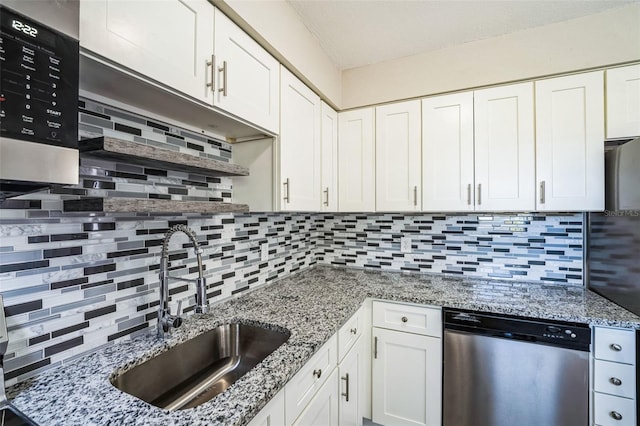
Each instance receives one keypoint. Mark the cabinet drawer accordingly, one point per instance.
(349, 333)
(613, 344)
(614, 378)
(608, 409)
(409, 318)
(304, 385)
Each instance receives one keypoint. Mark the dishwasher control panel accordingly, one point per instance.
(558, 333)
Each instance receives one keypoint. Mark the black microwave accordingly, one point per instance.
(38, 105)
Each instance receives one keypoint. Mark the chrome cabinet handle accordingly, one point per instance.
(375, 347)
(615, 415)
(317, 373)
(346, 379)
(354, 331)
(286, 190)
(404, 319)
(479, 193)
(542, 190)
(212, 65)
(326, 196)
(615, 381)
(615, 347)
(223, 70)
(469, 194)
(415, 195)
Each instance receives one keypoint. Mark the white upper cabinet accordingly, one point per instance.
(569, 143)
(143, 37)
(398, 159)
(300, 150)
(447, 153)
(504, 148)
(329, 135)
(356, 161)
(623, 102)
(247, 76)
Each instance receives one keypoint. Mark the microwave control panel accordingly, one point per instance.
(38, 82)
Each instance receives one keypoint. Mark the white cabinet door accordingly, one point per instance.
(247, 82)
(356, 161)
(623, 102)
(351, 372)
(398, 165)
(569, 143)
(329, 135)
(300, 164)
(323, 408)
(447, 153)
(504, 148)
(168, 41)
(407, 376)
(271, 414)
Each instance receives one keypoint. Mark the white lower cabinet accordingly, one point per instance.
(272, 414)
(305, 384)
(351, 371)
(614, 377)
(406, 369)
(323, 408)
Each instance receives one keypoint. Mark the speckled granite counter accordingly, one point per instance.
(312, 305)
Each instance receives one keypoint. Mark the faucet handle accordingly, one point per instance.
(179, 310)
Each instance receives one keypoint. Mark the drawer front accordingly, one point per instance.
(304, 385)
(410, 318)
(614, 378)
(613, 410)
(349, 333)
(614, 344)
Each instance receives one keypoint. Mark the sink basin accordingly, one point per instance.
(195, 371)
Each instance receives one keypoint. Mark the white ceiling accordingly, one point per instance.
(361, 32)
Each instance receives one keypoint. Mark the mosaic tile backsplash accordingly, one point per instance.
(74, 282)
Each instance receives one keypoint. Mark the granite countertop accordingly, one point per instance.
(312, 305)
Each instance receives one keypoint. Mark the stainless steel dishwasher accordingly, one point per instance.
(506, 371)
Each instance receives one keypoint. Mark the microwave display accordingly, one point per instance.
(39, 82)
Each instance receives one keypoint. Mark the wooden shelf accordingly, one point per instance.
(141, 205)
(150, 156)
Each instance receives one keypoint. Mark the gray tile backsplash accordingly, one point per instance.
(74, 282)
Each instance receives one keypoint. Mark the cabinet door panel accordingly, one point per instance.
(398, 149)
(569, 143)
(323, 408)
(135, 35)
(356, 161)
(329, 123)
(447, 153)
(300, 167)
(351, 386)
(504, 148)
(247, 86)
(272, 414)
(623, 102)
(406, 379)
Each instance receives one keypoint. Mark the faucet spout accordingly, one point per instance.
(167, 321)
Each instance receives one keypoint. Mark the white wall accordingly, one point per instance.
(276, 23)
(607, 38)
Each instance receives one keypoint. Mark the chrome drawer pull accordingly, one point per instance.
(354, 331)
(615, 347)
(405, 319)
(615, 381)
(375, 347)
(346, 379)
(317, 373)
(615, 415)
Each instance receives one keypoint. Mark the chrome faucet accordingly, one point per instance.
(166, 320)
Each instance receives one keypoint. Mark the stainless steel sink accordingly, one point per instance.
(195, 371)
